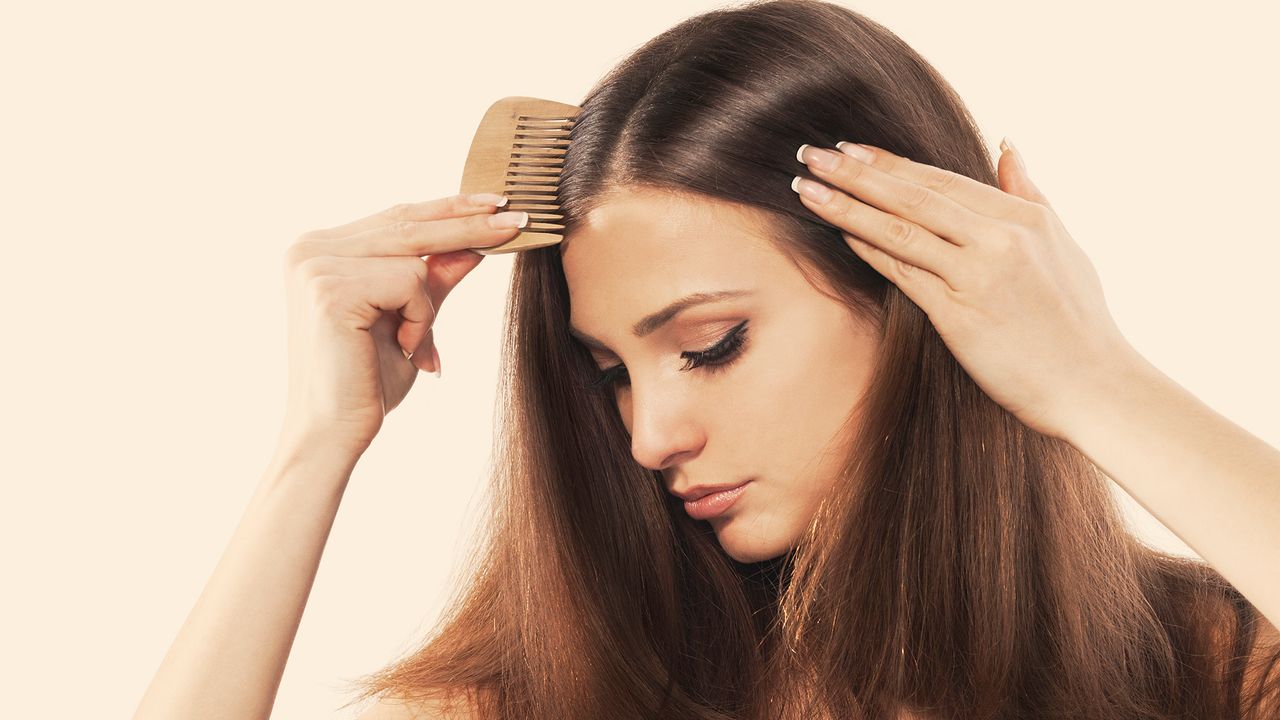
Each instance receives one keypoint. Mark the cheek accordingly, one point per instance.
(623, 403)
(809, 425)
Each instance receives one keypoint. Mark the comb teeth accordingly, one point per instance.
(518, 150)
(533, 171)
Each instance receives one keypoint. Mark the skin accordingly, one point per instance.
(1021, 307)
(1158, 441)
(775, 413)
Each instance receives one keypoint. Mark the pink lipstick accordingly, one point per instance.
(716, 503)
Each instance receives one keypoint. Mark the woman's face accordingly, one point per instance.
(772, 412)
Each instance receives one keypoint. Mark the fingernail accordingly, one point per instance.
(815, 191)
(508, 220)
(820, 158)
(435, 358)
(407, 355)
(856, 151)
(1007, 145)
(487, 199)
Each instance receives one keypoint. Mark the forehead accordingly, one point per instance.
(642, 248)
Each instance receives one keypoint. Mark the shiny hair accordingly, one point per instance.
(963, 564)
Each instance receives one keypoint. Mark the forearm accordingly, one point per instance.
(1215, 485)
(228, 657)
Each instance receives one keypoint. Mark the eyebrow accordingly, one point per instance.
(649, 323)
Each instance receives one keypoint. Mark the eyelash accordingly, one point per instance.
(715, 358)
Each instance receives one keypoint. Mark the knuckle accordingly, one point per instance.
(1040, 217)
(414, 278)
(400, 211)
(412, 281)
(1019, 237)
(404, 230)
(1012, 253)
(311, 268)
(457, 204)
(1000, 241)
(943, 182)
(325, 294)
(916, 197)
(300, 249)
(846, 216)
(851, 172)
(419, 269)
(1025, 254)
(899, 233)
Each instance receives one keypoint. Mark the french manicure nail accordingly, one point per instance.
(854, 150)
(487, 199)
(509, 219)
(815, 191)
(1017, 156)
(820, 158)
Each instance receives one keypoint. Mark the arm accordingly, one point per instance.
(344, 377)
(1021, 308)
(1216, 486)
(227, 659)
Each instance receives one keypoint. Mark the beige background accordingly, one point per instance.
(158, 159)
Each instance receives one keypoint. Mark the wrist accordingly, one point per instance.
(299, 430)
(1102, 398)
(325, 454)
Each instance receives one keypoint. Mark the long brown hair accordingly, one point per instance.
(965, 565)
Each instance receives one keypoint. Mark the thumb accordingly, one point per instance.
(1014, 179)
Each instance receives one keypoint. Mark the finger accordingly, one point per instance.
(436, 209)
(446, 270)
(938, 213)
(438, 276)
(927, 290)
(975, 195)
(901, 238)
(414, 238)
(418, 315)
(435, 359)
(444, 273)
(368, 296)
(1013, 177)
(439, 273)
(369, 276)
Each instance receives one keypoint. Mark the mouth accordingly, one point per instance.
(697, 492)
(711, 502)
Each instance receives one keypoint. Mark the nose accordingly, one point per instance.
(664, 429)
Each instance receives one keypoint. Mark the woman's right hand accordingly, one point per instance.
(359, 293)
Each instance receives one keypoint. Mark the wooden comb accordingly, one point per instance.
(518, 151)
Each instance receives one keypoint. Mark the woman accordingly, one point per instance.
(914, 419)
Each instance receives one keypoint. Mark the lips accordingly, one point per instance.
(701, 491)
(715, 504)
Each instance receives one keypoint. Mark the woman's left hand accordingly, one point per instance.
(1011, 294)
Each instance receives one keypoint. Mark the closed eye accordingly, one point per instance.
(714, 359)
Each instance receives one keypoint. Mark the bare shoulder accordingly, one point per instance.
(400, 709)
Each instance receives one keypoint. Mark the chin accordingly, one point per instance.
(745, 546)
